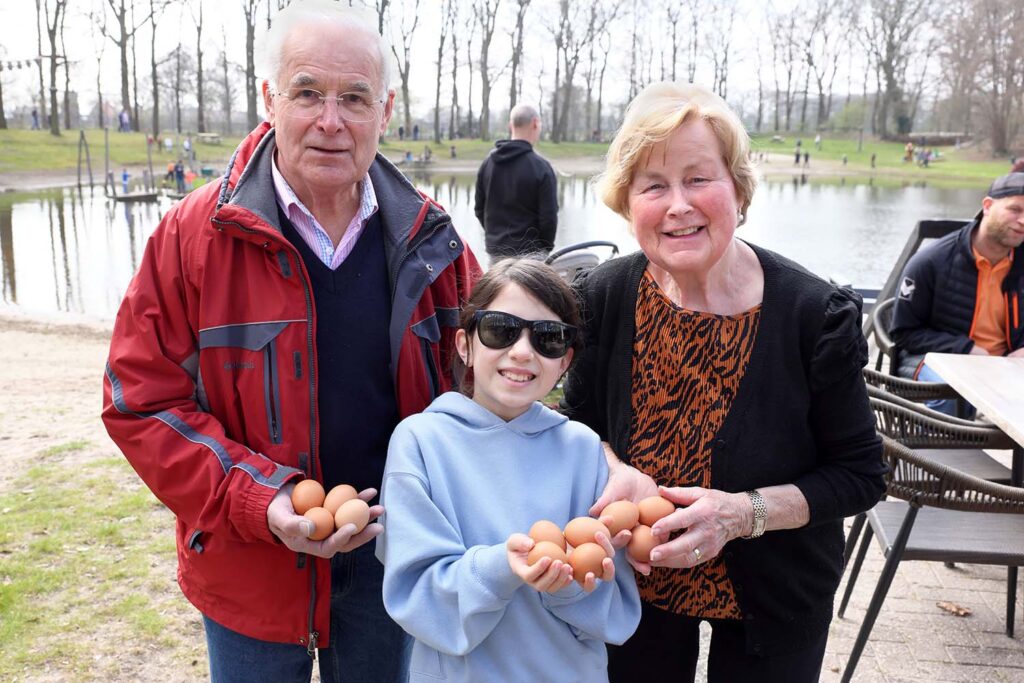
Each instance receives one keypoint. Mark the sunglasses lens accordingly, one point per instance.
(498, 330)
(552, 339)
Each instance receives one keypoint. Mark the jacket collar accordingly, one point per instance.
(248, 184)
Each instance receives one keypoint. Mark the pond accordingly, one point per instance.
(72, 253)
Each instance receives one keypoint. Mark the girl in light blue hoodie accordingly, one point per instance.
(466, 478)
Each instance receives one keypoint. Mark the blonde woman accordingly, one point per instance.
(729, 376)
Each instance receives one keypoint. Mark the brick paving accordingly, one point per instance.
(915, 640)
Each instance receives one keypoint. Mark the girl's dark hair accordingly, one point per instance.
(539, 280)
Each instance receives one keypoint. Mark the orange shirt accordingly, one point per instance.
(989, 328)
(687, 367)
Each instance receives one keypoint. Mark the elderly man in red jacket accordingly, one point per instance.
(281, 323)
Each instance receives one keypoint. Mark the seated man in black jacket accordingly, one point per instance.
(963, 293)
(517, 192)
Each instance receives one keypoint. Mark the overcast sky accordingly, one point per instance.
(224, 25)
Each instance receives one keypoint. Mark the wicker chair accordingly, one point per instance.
(881, 317)
(910, 389)
(948, 516)
(948, 441)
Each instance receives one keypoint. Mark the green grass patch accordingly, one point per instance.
(476, 149)
(952, 162)
(36, 150)
(68, 447)
(76, 553)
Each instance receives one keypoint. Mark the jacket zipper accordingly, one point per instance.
(270, 360)
(314, 635)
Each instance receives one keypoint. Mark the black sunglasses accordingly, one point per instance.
(498, 330)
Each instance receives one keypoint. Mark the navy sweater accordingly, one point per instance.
(355, 394)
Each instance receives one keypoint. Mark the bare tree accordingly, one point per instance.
(486, 14)
(1001, 74)
(67, 73)
(382, 13)
(39, 60)
(229, 72)
(53, 23)
(604, 42)
(581, 24)
(155, 8)
(251, 91)
(442, 38)
(673, 12)
(721, 17)
(197, 19)
(3, 112)
(454, 113)
(98, 24)
(893, 28)
(125, 32)
(959, 55)
(783, 32)
(516, 84)
(406, 28)
(178, 78)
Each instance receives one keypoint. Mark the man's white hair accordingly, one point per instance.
(270, 44)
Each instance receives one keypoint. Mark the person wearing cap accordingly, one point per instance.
(963, 293)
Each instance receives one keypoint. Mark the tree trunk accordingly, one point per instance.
(200, 95)
(67, 75)
(122, 17)
(177, 90)
(152, 71)
(39, 63)
(453, 112)
(517, 52)
(3, 114)
(51, 33)
(135, 85)
(437, 86)
(251, 114)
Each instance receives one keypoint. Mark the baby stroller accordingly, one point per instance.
(574, 259)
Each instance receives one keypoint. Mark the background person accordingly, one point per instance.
(962, 294)
(517, 192)
(470, 475)
(730, 375)
(280, 325)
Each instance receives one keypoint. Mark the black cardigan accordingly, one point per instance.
(800, 416)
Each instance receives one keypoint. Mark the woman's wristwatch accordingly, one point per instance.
(760, 514)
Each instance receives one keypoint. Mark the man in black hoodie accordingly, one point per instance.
(517, 192)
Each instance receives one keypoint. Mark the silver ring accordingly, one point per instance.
(697, 553)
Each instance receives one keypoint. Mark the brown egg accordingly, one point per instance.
(338, 495)
(546, 549)
(654, 508)
(323, 523)
(624, 514)
(641, 544)
(583, 529)
(307, 494)
(547, 531)
(584, 558)
(354, 511)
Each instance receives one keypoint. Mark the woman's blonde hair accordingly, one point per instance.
(652, 117)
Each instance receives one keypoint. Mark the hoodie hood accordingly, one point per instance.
(536, 420)
(506, 150)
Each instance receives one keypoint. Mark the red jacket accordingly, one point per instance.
(215, 335)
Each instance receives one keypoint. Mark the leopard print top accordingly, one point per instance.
(687, 366)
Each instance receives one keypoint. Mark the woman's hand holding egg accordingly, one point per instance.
(710, 518)
(299, 531)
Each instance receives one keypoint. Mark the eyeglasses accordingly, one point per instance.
(352, 106)
(498, 330)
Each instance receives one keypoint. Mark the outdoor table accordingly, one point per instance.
(995, 386)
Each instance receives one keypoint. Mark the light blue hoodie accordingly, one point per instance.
(459, 481)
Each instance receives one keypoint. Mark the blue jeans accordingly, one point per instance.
(943, 405)
(366, 645)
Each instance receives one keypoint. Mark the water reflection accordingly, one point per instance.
(72, 251)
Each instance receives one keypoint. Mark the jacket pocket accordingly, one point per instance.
(429, 335)
(193, 541)
(258, 337)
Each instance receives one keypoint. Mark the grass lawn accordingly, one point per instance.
(33, 150)
(951, 163)
(37, 150)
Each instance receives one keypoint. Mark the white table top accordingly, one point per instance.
(993, 384)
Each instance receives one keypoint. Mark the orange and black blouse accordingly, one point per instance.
(687, 366)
